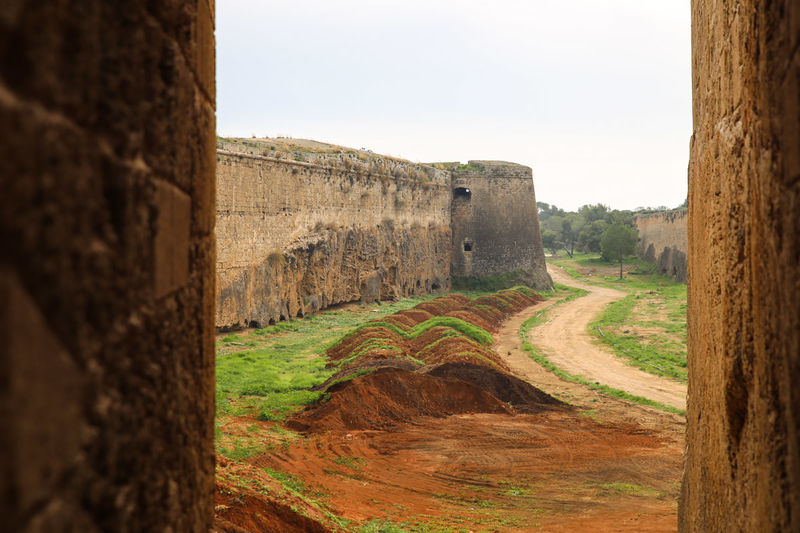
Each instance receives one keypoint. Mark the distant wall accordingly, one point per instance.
(496, 223)
(743, 414)
(663, 241)
(297, 236)
(107, 266)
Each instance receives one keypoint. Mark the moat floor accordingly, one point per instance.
(602, 465)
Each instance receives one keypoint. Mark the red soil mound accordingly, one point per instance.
(443, 304)
(520, 394)
(390, 396)
(401, 321)
(469, 315)
(416, 315)
(244, 511)
(378, 341)
(382, 336)
(435, 346)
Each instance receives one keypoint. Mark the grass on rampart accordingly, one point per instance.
(647, 328)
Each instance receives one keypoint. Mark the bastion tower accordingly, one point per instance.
(495, 225)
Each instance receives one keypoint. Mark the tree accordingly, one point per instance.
(589, 238)
(571, 227)
(618, 241)
(550, 241)
(593, 212)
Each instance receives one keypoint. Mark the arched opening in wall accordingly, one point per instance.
(468, 246)
(462, 194)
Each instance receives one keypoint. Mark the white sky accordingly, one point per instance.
(594, 95)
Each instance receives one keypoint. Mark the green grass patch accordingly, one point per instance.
(407, 526)
(641, 277)
(626, 489)
(272, 377)
(289, 482)
(350, 462)
(465, 328)
(662, 353)
(491, 283)
(240, 449)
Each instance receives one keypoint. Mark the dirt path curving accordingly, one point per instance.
(563, 338)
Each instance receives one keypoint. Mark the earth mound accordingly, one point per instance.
(247, 511)
(365, 366)
(391, 396)
(524, 397)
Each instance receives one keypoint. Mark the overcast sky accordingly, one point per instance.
(594, 95)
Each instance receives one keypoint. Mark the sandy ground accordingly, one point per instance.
(563, 338)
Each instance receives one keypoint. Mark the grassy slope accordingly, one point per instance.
(648, 327)
(270, 370)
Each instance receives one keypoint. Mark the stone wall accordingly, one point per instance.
(106, 275)
(301, 231)
(743, 452)
(663, 241)
(496, 224)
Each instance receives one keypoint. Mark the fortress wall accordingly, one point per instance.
(743, 439)
(499, 222)
(106, 273)
(663, 241)
(297, 236)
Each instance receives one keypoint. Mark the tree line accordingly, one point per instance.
(592, 228)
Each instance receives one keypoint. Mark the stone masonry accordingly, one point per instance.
(663, 241)
(107, 269)
(302, 226)
(743, 416)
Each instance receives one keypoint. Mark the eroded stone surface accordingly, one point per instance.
(496, 227)
(107, 373)
(663, 241)
(303, 225)
(743, 460)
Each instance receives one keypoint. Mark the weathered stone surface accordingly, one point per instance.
(303, 225)
(743, 453)
(107, 373)
(297, 236)
(496, 223)
(663, 241)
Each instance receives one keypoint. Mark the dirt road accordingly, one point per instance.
(563, 338)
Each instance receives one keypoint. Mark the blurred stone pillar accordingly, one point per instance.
(107, 265)
(742, 461)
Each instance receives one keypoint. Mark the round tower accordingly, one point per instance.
(495, 226)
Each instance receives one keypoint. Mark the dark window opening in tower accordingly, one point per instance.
(462, 193)
(467, 246)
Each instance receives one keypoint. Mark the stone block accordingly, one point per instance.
(171, 245)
